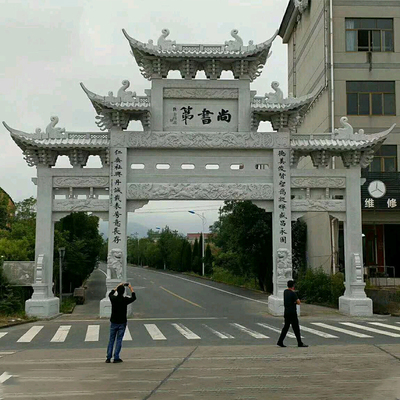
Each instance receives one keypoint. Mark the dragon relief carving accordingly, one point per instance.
(200, 191)
(75, 205)
(277, 97)
(66, 182)
(318, 182)
(201, 140)
(283, 264)
(318, 205)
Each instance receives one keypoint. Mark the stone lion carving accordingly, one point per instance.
(114, 264)
(283, 264)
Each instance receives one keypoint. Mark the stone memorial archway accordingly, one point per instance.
(198, 123)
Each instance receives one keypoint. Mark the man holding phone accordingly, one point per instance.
(119, 307)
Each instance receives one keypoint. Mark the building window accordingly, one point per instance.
(371, 98)
(385, 159)
(369, 34)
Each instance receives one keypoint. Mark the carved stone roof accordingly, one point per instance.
(155, 60)
(342, 140)
(119, 110)
(126, 101)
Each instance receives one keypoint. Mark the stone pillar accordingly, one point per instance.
(43, 303)
(281, 222)
(117, 222)
(354, 301)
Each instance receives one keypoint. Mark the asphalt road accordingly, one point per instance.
(192, 338)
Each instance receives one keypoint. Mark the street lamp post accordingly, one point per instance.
(203, 219)
(61, 253)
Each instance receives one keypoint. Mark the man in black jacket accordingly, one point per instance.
(290, 301)
(119, 305)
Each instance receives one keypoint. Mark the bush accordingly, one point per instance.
(317, 287)
(223, 275)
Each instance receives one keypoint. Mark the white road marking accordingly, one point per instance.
(127, 335)
(154, 332)
(92, 333)
(369, 329)
(272, 328)
(61, 334)
(4, 377)
(105, 273)
(318, 333)
(30, 334)
(255, 334)
(221, 335)
(212, 287)
(2, 334)
(346, 331)
(385, 325)
(182, 329)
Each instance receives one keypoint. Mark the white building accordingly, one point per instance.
(361, 39)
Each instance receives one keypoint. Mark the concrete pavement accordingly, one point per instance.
(357, 372)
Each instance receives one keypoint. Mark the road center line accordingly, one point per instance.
(179, 297)
(212, 287)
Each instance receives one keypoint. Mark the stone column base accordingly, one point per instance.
(105, 308)
(357, 307)
(42, 308)
(275, 305)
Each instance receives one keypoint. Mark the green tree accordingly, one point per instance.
(299, 247)
(186, 257)
(79, 234)
(196, 260)
(244, 235)
(208, 260)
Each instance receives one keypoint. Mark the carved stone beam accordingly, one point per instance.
(78, 158)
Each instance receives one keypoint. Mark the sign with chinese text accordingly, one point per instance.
(201, 115)
(390, 201)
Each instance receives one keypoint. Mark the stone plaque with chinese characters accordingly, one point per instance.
(214, 115)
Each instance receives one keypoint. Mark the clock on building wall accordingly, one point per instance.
(377, 189)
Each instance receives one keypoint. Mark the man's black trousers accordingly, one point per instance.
(291, 319)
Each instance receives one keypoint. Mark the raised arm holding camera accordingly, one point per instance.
(119, 307)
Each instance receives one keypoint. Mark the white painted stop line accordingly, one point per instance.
(61, 334)
(154, 332)
(250, 332)
(337, 329)
(367, 328)
(92, 333)
(30, 334)
(186, 332)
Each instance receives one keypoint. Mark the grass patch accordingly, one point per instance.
(224, 276)
(67, 305)
(6, 320)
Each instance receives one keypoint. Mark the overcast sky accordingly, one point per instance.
(49, 46)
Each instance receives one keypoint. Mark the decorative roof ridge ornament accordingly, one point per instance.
(347, 132)
(237, 44)
(277, 97)
(301, 5)
(163, 43)
(171, 47)
(51, 131)
(123, 98)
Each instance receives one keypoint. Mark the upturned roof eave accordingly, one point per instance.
(139, 49)
(101, 102)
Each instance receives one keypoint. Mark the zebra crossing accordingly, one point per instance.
(258, 330)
